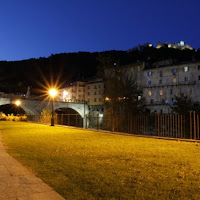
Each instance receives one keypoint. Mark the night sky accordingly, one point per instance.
(39, 28)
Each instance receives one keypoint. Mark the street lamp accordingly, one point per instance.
(52, 93)
(17, 103)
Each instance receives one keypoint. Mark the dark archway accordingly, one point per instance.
(12, 109)
(69, 117)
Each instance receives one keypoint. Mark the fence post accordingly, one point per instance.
(158, 126)
(68, 119)
(86, 121)
(190, 124)
(197, 126)
(194, 125)
(97, 121)
(155, 125)
(76, 120)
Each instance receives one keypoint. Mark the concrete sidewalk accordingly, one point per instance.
(17, 183)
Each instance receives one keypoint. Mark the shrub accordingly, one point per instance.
(4, 117)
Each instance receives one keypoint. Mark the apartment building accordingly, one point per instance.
(94, 91)
(163, 80)
(73, 92)
(89, 91)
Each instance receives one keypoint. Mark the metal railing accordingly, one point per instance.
(157, 124)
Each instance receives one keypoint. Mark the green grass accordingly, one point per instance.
(88, 165)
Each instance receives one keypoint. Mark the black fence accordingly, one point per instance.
(157, 124)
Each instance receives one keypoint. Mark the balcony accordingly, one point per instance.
(178, 83)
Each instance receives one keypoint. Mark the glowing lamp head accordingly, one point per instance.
(17, 102)
(53, 92)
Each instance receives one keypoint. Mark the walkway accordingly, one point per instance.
(17, 183)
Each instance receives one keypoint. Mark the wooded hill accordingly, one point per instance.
(16, 76)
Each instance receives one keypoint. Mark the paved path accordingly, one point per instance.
(17, 183)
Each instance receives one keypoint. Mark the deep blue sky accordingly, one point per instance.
(39, 28)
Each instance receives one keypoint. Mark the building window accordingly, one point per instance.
(199, 78)
(186, 69)
(95, 87)
(149, 82)
(174, 71)
(79, 90)
(186, 79)
(174, 80)
(88, 87)
(161, 92)
(99, 92)
(198, 67)
(95, 100)
(99, 85)
(160, 81)
(95, 93)
(171, 91)
(99, 99)
(161, 74)
(151, 101)
(138, 68)
(88, 100)
(149, 73)
(88, 93)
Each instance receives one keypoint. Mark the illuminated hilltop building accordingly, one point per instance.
(180, 45)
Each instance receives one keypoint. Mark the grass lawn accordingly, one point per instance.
(81, 164)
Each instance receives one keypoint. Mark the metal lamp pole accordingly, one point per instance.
(52, 115)
(52, 93)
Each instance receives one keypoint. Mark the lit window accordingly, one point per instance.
(186, 69)
(149, 73)
(139, 98)
(161, 92)
(149, 92)
(174, 71)
(174, 80)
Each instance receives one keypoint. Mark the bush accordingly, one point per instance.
(4, 117)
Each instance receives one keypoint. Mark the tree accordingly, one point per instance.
(123, 97)
(183, 105)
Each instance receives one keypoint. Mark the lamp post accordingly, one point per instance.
(17, 103)
(52, 93)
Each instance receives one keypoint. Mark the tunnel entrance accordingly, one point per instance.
(12, 109)
(69, 117)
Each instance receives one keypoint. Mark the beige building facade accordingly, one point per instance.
(94, 92)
